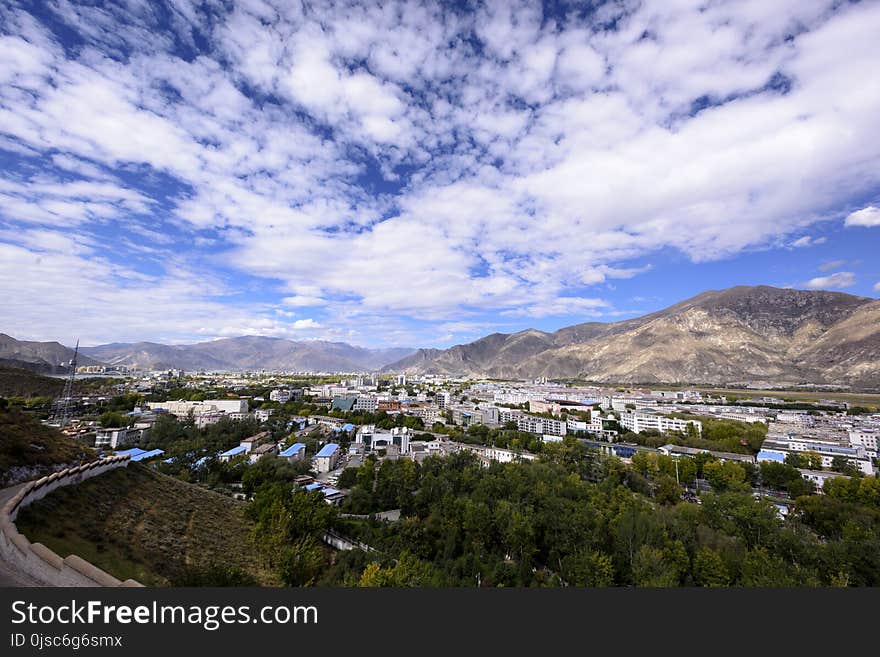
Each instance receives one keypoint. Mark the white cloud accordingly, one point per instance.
(303, 301)
(877, 286)
(561, 306)
(833, 264)
(375, 160)
(806, 240)
(868, 217)
(837, 280)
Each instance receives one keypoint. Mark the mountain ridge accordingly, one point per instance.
(736, 335)
(229, 354)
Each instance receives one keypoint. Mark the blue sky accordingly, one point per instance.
(413, 174)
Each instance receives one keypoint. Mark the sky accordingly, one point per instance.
(423, 174)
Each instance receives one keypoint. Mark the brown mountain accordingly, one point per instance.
(248, 353)
(734, 336)
(43, 357)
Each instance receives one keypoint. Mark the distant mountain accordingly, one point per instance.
(247, 353)
(43, 357)
(734, 336)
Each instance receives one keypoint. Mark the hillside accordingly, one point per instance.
(50, 357)
(29, 449)
(136, 523)
(736, 336)
(18, 382)
(247, 353)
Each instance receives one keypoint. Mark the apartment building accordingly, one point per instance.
(637, 422)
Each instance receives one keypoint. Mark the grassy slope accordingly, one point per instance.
(134, 522)
(15, 382)
(26, 442)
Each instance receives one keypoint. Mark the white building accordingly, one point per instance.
(365, 403)
(114, 438)
(374, 439)
(326, 459)
(827, 450)
(443, 399)
(637, 422)
(866, 439)
(183, 408)
(280, 395)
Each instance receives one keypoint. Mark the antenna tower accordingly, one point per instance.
(61, 407)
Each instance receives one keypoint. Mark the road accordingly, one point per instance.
(9, 574)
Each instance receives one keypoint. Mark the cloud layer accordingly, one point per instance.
(404, 173)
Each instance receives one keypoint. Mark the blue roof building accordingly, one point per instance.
(295, 451)
(134, 451)
(327, 450)
(326, 459)
(231, 453)
(144, 456)
(768, 455)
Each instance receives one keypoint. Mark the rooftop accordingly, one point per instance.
(327, 450)
(293, 449)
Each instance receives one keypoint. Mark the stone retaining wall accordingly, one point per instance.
(36, 559)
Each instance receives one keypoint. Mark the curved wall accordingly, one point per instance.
(36, 559)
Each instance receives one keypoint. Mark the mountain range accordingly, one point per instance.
(737, 336)
(231, 354)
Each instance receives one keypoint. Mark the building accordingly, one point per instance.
(443, 399)
(184, 408)
(114, 438)
(230, 454)
(637, 422)
(284, 395)
(366, 403)
(296, 452)
(826, 449)
(497, 454)
(263, 414)
(326, 459)
(374, 439)
(251, 442)
(261, 451)
(819, 477)
(202, 420)
(866, 439)
(429, 414)
(676, 451)
(343, 403)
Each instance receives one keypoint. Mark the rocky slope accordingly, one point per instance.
(734, 336)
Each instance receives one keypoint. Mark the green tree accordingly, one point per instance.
(667, 491)
(652, 569)
(726, 475)
(588, 567)
(111, 419)
(844, 466)
(709, 569)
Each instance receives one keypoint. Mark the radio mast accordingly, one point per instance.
(61, 407)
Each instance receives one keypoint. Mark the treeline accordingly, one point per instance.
(182, 438)
(544, 523)
(717, 435)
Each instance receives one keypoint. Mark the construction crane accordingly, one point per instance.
(61, 406)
